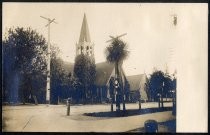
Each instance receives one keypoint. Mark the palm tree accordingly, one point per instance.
(116, 52)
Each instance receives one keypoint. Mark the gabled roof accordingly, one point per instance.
(103, 73)
(137, 82)
(84, 33)
(134, 81)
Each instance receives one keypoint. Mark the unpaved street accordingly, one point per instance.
(53, 118)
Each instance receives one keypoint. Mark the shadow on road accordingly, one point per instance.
(130, 112)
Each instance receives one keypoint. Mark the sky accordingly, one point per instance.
(152, 38)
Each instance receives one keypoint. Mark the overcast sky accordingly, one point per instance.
(152, 38)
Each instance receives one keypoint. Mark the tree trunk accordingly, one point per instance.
(124, 102)
(91, 96)
(112, 103)
(117, 102)
(123, 90)
(101, 94)
(139, 104)
(117, 90)
(158, 101)
(162, 98)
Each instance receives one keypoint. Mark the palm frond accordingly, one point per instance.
(116, 51)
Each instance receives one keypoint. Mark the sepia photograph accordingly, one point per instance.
(104, 67)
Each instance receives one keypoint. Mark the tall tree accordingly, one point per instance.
(168, 85)
(57, 75)
(160, 84)
(24, 59)
(116, 52)
(62, 81)
(156, 83)
(85, 72)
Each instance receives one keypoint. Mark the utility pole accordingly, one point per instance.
(48, 58)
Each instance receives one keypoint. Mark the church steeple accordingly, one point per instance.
(84, 33)
(85, 46)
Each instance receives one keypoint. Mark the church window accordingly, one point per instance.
(87, 47)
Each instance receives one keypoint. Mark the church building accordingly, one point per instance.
(104, 70)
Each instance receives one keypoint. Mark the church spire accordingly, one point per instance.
(84, 33)
(85, 46)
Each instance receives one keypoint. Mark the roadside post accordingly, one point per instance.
(68, 106)
(112, 104)
(139, 103)
(158, 100)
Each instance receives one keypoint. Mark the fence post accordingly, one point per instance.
(68, 106)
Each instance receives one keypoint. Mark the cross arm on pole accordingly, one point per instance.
(45, 18)
(121, 35)
(113, 38)
(51, 21)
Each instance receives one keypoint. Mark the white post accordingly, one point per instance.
(48, 59)
(48, 67)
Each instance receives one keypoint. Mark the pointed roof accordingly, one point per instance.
(137, 83)
(103, 73)
(134, 82)
(84, 33)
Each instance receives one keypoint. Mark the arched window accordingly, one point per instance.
(87, 47)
